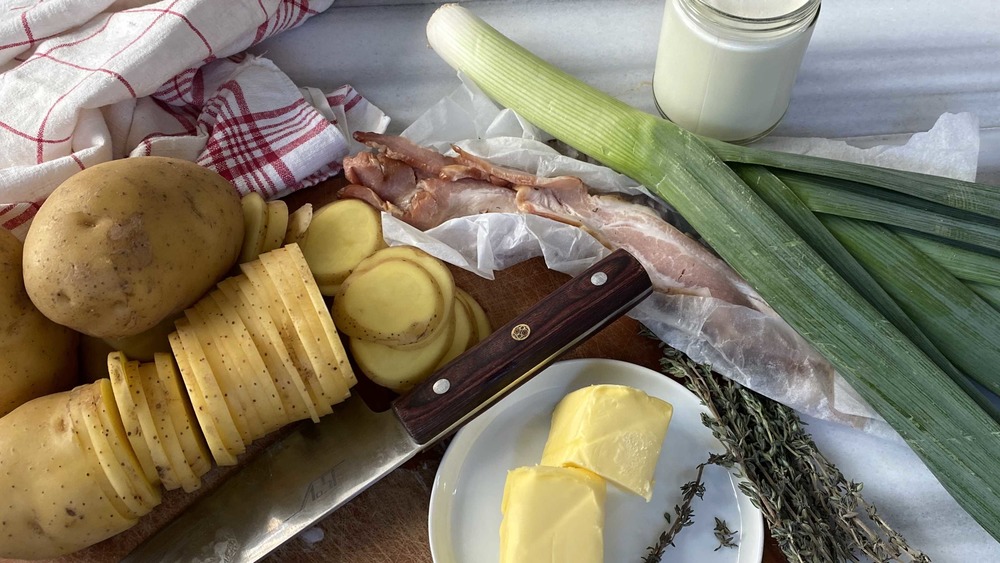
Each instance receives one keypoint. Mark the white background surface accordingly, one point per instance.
(875, 69)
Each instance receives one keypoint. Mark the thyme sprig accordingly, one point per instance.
(814, 512)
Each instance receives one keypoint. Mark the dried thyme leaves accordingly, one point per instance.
(814, 512)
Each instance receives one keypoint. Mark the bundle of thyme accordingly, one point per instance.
(814, 512)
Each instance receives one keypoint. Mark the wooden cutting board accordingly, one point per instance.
(388, 522)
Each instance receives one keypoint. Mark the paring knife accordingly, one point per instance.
(320, 467)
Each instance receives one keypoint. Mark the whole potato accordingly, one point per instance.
(120, 246)
(37, 356)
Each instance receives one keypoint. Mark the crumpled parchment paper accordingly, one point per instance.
(738, 342)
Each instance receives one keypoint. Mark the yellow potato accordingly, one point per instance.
(121, 384)
(277, 225)
(118, 247)
(395, 302)
(254, 225)
(37, 356)
(481, 321)
(254, 366)
(401, 369)
(291, 387)
(182, 416)
(53, 499)
(178, 472)
(340, 235)
(207, 411)
(281, 269)
(464, 334)
(307, 364)
(298, 223)
(144, 345)
(436, 268)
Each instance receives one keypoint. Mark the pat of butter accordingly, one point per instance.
(615, 431)
(552, 515)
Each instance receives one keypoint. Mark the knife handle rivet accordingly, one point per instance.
(441, 386)
(600, 278)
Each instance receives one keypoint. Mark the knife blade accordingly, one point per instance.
(313, 471)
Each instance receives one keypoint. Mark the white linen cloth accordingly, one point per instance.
(86, 81)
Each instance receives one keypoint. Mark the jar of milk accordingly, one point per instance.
(725, 68)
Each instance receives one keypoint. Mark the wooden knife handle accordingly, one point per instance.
(521, 348)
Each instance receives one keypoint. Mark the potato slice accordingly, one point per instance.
(182, 416)
(281, 269)
(277, 225)
(291, 388)
(254, 225)
(436, 268)
(298, 223)
(164, 472)
(401, 369)
(218, 445)
(234, 393)
(90, 461)
(326, 321)
(148, 493)
(481, 321)
(250, 365)
(180, 471)
(307, 364)
(464, 334)
(394, 302)
(129, 412)
(341, 235)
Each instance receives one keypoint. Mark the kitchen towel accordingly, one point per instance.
(86, 81)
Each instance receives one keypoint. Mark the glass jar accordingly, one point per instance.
(725, 68)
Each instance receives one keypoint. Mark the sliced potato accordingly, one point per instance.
(89, 461)
(129, 412)
(180, 472)
(292, 389)
(148, 492)
(254, 225)
(142, 346)
(283, 273)
(182, 415)
(401, 369)
(307, 365)
(234, 393)
(164, 472)
(341, 235)
(240, 352)
(203, 409)
(481, 321)
(464, 335)
(436, 268)
(393, 302)
(53, 499)
(326, 321)
(277, 225)
(298, 223)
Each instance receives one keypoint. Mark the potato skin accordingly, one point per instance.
(120, 246)
(52, 503)
(37, 356)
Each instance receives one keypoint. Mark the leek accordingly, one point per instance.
(963, 263)
(988, 293)
(807, 225)
(958, 442)
(827, 195)
(963, 326)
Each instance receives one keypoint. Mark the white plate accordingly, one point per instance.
(464, 519)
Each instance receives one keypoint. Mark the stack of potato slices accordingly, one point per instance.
(258, 352)
(405, 317)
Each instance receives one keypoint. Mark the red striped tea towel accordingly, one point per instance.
(86, 81)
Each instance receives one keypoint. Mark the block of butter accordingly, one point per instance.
(615, 431)
(552, 515)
